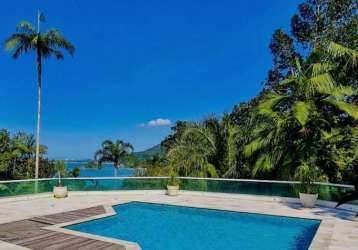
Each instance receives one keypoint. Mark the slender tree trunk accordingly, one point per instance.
(39, 85)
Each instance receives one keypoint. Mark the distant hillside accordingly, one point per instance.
(157, 149)
(141, 156)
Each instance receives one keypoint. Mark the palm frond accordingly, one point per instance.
(198, 132)
(232, 142)
(338, 51)
(320, 68)
(350, 109)
(25, 27)
(263, 163)
(322, 83)
(19, 43)
(302, 111)
(342, 91)
(287, 81)
(47, 52)
(54, 39)
(267, 106)
(328, 135)
(27, 39)
(298, 66)
(12, 42)
(254, 146)
(211, 170)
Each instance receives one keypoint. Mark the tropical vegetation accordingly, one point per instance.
(301, 126)
(17, 157)
(300, 116)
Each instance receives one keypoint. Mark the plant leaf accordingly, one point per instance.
(302, 111)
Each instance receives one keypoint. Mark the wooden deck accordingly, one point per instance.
(69, 216)
(30, 233)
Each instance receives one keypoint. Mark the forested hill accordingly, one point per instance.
(146, 154)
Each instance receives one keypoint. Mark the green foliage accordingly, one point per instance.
(206, 149)
(152, 171)
(61, 168)
(339, 51)
(75, 172)
(307, 174)
(17, 157)
(144, 155)
(295, 118)
(173, 179)
(302, 111)
(156, 165)
(27, 39)
(177, 132)
(323, 20)
(315, 25)
(131, 160)
(284, 57)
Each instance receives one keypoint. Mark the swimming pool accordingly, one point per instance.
(159, 227)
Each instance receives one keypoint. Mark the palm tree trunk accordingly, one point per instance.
(39, 72)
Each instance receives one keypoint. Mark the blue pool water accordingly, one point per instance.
(165, 227)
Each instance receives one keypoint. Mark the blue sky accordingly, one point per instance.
(136, 61)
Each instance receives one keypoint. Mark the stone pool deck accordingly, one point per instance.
(337, 231)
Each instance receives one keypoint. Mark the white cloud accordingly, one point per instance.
(157, 122)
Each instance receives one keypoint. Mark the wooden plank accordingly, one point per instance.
(69, 216)
(12, 232)
(55, 242)
(44, 234)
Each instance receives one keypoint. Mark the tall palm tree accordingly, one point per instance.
(293, 119)
(27, 39)
(113, 152)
